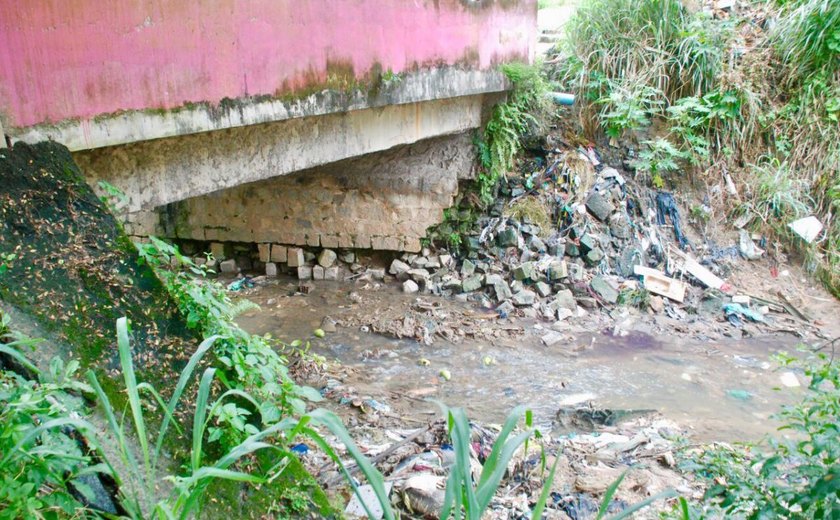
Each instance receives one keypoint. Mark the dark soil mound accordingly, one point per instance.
(75, 271)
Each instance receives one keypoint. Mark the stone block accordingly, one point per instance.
(295, 257)
(557, 270)
(361, 241)
(572, 249)
(410, 286)
(564, 300)
(467, 268)
(594, 257)
(279, 254)
(471, 283)
(543, 289)
(398, 267)
(502, 290)
(332, 273)
(313, 239)
(524, 298)
(411, 244)
(345, 240)
(330, 241)
(524, 271)
(600, 206)
(270, 269)
(326, 258)
(604, 289)
(217, 249)
(304, 272)
(588, 242)
(377, 273)
(508, 237)
(228, 266)
(264, 252)
(318, 272)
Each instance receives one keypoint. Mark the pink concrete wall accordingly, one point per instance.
(64, 59)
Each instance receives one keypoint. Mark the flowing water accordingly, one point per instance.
(718, 390)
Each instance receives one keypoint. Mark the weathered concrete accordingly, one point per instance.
(89, 76)
(158, 172)
(385, 200)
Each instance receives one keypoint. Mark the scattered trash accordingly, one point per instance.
(423, 362)
(741, 395)
(789, 379)
(562, 98)
(702, 274)
(356, 507)
(658, 283)
(748, 249)
(242, 283)
(445, 374)
(736, 309)
(666, 206)
(319, 333)
(809, 228)
(300, 449)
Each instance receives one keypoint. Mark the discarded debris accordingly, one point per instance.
(809, 228)
(658, 283)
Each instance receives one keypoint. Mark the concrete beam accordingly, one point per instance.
(142, 125)
(159, 172)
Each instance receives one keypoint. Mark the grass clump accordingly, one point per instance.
(760, 101)
(533, 210)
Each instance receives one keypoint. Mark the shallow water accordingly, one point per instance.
(687, 381)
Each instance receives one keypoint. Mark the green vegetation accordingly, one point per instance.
(706, 95)
(795, 477)
(497, 149)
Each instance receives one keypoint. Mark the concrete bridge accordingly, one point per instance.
(340, 123)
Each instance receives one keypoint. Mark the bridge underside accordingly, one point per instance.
(375, 178)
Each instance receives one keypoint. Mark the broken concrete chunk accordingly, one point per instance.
(543, 289)
(658, 282)
(594, 256)
(552, 338)
(295, 257)
(467, 268)
(524, 298)
(599, 206)
(505, 308)
(508, 237)
(537, 245)
(558, 270)
(503, 291)
(326, 258)
(410, 286)
(419, 275)
(228, 266)
(564, 300)
(524, 271)
(604, 289)
(588, 242)
(471, 283)
(398, 267)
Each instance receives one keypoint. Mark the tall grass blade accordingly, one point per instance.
(608, 495)
(373, 476)
(186, 376)
(20, 358)
(546, 491)
(199, 422)
(124, 348)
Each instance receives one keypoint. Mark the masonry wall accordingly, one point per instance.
(383, 201)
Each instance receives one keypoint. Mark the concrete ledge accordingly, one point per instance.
(158, 172)
(134, 126)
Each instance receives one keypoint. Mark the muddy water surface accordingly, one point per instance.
(723, 390)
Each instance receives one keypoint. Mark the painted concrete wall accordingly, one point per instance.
(80, 60)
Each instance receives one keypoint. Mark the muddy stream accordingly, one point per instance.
(718, 390)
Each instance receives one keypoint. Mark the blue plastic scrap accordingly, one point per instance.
(738, 310)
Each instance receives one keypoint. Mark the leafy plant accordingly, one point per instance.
(796, 477)
(250, 362)
(627, 107)
(660, 157)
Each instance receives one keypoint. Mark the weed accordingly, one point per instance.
(796, 477)
(658, 158)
